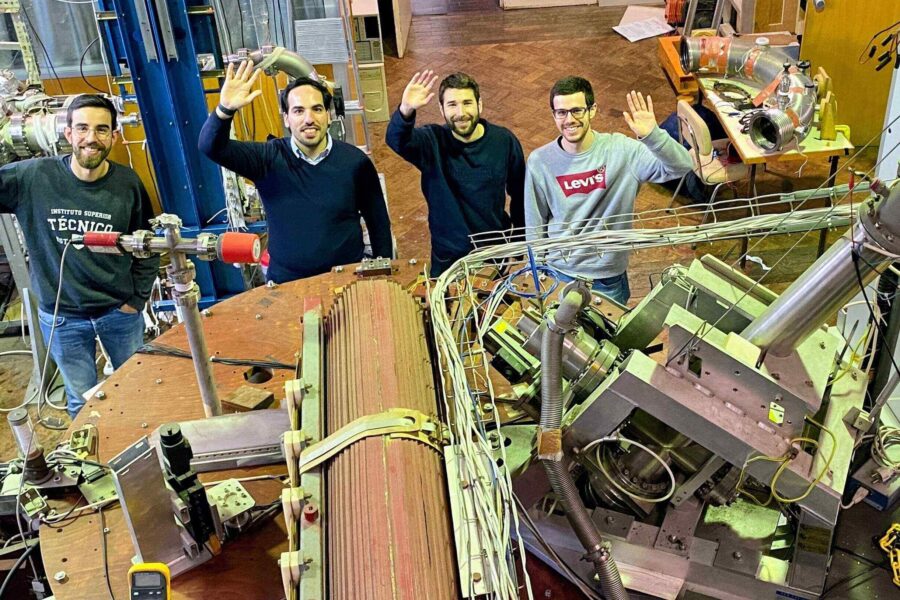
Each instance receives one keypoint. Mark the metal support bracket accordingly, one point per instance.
(394, 423)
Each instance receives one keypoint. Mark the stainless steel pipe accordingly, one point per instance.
(832, 280)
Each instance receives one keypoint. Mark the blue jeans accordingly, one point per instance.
(74, 348)
(615, 287)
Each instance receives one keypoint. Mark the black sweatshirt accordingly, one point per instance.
(312, 210)
(465, 184)
(51, 204)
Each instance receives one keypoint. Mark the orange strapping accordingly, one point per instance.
(766, 92)
(793, 116)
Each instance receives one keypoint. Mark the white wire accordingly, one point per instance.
(619, 438)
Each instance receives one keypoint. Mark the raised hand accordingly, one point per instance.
(418, 92)
(237, 91)
(641, 120)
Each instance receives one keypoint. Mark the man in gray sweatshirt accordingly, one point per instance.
(585, 180)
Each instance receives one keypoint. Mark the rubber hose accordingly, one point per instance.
(598, 551)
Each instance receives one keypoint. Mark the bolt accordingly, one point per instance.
(158, 381)
(101, 395)
(339, 269)
(610, 520)
(672, 538)
(476, 576)
(271, 284)
(106, 530)
(258, 317)
(597, 300)
(413, 261)
(737, 555)
(206, 312)
(853, 375)
(60, 576)
(144, 426)
(822, 345)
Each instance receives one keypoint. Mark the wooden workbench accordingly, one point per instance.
(812, 145)
(148, 391)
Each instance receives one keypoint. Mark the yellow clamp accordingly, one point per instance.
(394, 423)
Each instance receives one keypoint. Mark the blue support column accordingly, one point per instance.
(157, 42)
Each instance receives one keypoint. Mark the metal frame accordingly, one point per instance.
(168, 86)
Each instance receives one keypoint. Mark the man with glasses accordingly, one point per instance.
(586, 180)
(468, 165)
(89, 295)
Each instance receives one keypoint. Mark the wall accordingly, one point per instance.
(834, 39)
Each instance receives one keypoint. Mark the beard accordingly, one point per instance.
(91, 161)
(465, 128)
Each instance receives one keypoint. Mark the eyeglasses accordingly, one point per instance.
(101, 133)
(560, 113)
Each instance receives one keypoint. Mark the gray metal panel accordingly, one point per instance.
(147, 506)
(322, 41)
(235, 440)
(726, 378)
(812, 553)
(699, 575)
(641, 325)
(713, 423)
(597, 416)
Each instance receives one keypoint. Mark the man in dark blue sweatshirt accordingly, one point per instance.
(88, 295)
(468, 165)
(314, 188)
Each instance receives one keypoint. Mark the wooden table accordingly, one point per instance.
(148, 391)
(752, 155)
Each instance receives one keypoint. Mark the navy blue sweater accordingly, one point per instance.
(465, 184)
(312, 210)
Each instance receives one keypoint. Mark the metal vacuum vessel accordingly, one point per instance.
(388, 529)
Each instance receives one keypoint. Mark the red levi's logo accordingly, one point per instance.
(583, 183)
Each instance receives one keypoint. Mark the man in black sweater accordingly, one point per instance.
(314, 188)
(468, 165)
(88, 295)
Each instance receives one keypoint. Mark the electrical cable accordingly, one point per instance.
(25, 555)
(618, 438)
(81, 66)
(103, 532)
(41, 388)
(163, 350)
(44, 48)
(862, 286)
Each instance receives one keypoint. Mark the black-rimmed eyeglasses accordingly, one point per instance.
(577, 112)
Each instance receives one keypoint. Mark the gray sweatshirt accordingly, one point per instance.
(579, 193)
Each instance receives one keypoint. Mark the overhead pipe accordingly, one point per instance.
(560, 322)
(776, 74)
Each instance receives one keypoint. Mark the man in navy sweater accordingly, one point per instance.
(468, 165)
(314, 188)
